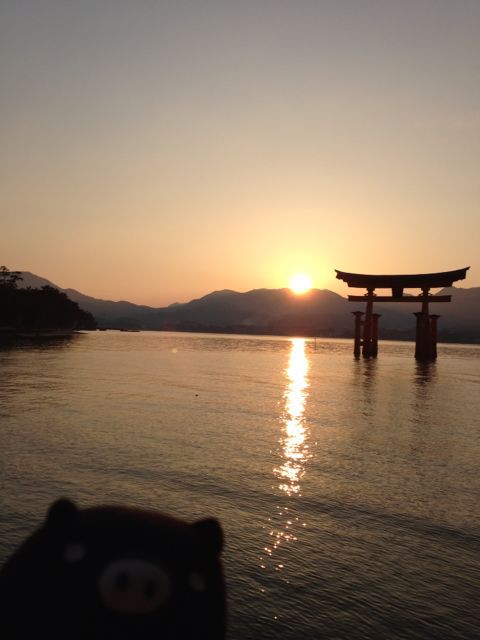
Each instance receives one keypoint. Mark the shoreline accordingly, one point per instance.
(36, 333)
(223, 331)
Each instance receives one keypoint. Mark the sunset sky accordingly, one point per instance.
(156, 150)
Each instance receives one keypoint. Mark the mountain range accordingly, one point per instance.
(319, 312)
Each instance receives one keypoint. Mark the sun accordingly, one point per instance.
(300, 283)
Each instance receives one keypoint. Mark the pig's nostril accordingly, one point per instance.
(122, 582)
(150, 589)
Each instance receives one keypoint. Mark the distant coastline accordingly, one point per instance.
(13, 334)
(396, 336)
(275, 312)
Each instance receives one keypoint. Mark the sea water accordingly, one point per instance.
(348, 491)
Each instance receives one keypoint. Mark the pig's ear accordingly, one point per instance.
(61, 512)
(208, 535)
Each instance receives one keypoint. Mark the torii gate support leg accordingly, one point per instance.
(423, 338)
(426, 337)
(433, 336)
(367, 326)
(358, 333)
(420, 341)
(374, 347)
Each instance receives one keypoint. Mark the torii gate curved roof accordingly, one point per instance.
(409, 281)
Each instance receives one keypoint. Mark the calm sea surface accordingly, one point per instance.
(349, 491)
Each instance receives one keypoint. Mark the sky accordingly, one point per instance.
(154, 151)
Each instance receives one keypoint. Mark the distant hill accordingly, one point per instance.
(38, 311)
(277, 311)
(106, 312)
(459, 319)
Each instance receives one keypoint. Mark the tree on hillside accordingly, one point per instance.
(38, 309)
(9, 278)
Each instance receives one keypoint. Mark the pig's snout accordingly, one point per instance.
(134, 587)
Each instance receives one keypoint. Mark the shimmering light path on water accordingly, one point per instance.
(293, 441)
(348, 490)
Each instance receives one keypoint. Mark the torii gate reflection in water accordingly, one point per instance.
(426, 330)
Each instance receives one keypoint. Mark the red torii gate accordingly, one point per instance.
(426, 330)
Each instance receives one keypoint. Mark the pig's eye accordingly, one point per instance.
(74, 552)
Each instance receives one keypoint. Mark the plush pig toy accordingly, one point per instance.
(112, 573)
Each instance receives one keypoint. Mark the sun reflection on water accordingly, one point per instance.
(294, 453)
(295, 448)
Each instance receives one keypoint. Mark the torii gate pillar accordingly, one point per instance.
(358, 333)
(374, 347)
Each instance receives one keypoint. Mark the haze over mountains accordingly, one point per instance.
(278, 311)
